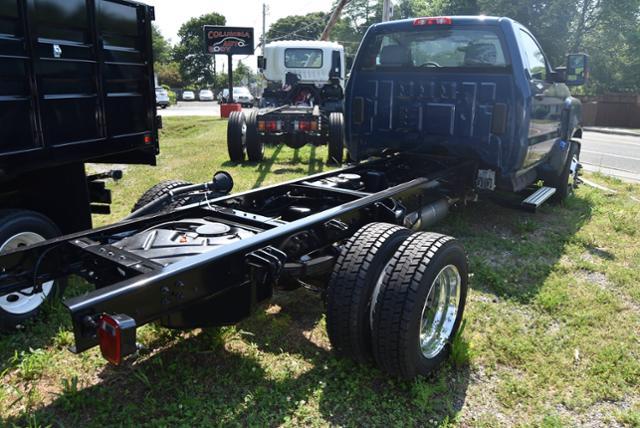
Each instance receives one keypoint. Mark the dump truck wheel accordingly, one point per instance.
(352, 285)
(255, 147)
(336, 138)
(159, 190)
(236, 136)
(20, 228)
(567, 181)
(419, 306)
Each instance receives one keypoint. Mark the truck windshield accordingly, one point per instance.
(434, 48)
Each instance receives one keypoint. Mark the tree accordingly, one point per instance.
(161, 46)
(169, 74)
(195, 64)
(242, 75)
(298, 27)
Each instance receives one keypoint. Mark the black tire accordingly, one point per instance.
(566, 182)
(352, 285)
(12, 223)
(405, 288)
(255, 146)
(236, 136)
(336, 138)
(158, 191)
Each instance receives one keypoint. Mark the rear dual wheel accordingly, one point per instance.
(242, 136)
(397, 298)
(336, 138)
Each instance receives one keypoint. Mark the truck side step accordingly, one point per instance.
(538, 198)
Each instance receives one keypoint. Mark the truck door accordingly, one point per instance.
(546, 101)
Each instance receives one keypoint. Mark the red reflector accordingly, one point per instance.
(436, 20)
(147, 139)
(273, 125)
(117, 337)
(109, 335)
(304, 125)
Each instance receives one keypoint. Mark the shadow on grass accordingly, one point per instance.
(270, 370)
(512, 252)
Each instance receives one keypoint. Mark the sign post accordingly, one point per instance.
(229, 41)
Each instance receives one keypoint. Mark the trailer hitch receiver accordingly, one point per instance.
(117, 337)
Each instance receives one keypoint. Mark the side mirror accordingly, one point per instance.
(577, 72)
(336, 65)
(262, 63)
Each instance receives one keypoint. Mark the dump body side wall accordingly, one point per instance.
(77, 83)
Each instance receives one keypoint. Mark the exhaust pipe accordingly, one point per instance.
(427, 215)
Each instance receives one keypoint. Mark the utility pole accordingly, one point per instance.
(386, 10)
(264, 26)
(334, 18)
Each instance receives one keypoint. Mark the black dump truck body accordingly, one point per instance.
(76, 84)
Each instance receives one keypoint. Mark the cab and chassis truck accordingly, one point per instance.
(439, 112)
(301, 105)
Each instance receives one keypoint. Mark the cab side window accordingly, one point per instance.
(535, 58)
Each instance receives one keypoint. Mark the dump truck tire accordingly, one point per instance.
(255, 146)
(236, 136)
(419, 306)
(352, 286)
(159, 190)
(20, 228)
(336, 138)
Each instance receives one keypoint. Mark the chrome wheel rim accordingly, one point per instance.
(23, 302)
(574, 171)
(244, 134)
(440, 311)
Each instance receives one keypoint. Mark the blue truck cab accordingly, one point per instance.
(472, 87)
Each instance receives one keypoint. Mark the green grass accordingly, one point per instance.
(550, 338)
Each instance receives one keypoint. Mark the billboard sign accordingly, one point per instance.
(228, 40)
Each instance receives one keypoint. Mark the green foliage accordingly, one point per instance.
(242, 75)
(357, 16)
(298, 27)
(161, 47)
(169, 74)
(196, 66)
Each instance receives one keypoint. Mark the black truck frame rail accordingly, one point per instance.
(295, 229)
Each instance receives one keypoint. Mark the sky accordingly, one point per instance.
(171, 14)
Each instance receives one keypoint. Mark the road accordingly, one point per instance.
(617, 155)
(192, 108)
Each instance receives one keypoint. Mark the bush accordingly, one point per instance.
(173, 98)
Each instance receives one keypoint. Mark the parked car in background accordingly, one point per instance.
(205, 95)
(241, 95)
(188, 96)
(162, 97)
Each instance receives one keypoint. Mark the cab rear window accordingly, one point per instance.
(448, 48)
(303, 58)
